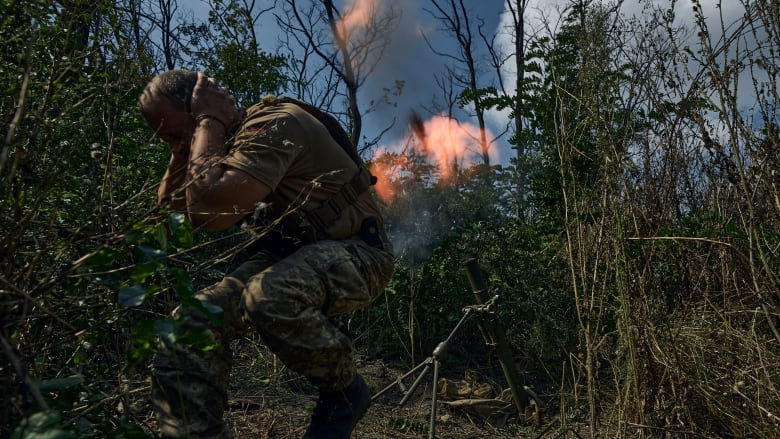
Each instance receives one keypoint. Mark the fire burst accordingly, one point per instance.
(448, 144)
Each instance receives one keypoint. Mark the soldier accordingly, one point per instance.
(287, 163)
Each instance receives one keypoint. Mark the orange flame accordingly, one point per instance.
(387, 167)
(447, 143)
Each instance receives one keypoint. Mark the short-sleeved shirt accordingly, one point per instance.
(293, 153)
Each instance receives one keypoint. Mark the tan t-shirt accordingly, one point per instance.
(292, 152)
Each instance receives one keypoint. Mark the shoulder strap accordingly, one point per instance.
(320, 218)
(324, 215)
(336, 131)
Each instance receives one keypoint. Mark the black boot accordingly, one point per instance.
(338, 412)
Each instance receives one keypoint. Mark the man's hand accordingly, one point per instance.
(211, 100)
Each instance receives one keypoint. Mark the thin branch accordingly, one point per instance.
(20, 370)
(21, 103)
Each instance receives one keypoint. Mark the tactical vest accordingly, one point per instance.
(293, 225)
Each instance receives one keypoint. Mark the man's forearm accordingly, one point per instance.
(171, 193)
(204, 198)
(208, 148)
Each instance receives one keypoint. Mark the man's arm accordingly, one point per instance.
(218, 196)
(171, 193)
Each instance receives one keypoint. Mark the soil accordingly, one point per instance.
(268, 401)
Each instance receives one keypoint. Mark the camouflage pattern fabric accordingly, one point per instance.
(288, 302)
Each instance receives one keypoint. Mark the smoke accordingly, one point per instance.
(405, 78)
(423, 228)
(418, 181)
(403, 84)
(359, 13)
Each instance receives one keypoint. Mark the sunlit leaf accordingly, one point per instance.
(144, 343)
(166, 331)
(151, 254)
(175, 220)
(200, 338)
(132, 296)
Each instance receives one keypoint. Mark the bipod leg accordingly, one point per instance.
(425, 366)
(434, 399)
(417, 381)
(438, 354)
(435, 359)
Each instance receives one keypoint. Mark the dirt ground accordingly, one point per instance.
(266, 401)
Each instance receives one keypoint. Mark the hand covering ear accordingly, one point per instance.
(209, 100)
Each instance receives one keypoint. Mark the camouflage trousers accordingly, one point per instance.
(289, 302)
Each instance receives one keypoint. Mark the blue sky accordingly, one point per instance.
(409, 59)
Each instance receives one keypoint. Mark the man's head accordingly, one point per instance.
(165, 104)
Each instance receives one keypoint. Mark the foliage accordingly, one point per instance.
(82, 239)
(227, 48)
(429, 291)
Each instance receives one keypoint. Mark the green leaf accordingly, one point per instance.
(181, 231)
(61, 383)
(144, 342)
(182, 284)
(132, 296)
(160, 234)
(176, 220)
(216, 313)
(150, 253)
(133, 235)
(104, 259)
(44, 420)
(200, 338)
(142, 271)
(83, 426)
(41, 425)
(184, 238)
(166, 331)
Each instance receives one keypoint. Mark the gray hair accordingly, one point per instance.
(174, 85)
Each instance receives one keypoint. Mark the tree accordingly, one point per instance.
(77, 17)
(511, 95)
(465, 74)
(228, 48)
(71, 87)
(580, 128)
(349, 44)
(517, 30)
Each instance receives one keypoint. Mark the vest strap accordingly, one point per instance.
(323, 216)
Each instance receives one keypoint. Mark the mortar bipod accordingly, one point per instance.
(493, 335)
